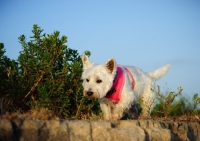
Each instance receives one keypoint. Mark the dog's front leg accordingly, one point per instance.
(124, 104)
(118, 111)
(106, 109)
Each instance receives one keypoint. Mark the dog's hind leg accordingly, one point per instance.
(148, 100)
(133, 112)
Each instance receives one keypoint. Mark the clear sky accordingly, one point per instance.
(147, 34)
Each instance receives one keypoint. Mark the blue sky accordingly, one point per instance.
(146, 34)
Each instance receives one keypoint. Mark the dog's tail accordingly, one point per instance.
(157, 74)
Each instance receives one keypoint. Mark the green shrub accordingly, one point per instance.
(48, 75)
(190, 106)
(166, 103)
(8, 81)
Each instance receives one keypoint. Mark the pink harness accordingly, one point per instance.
(114, 94)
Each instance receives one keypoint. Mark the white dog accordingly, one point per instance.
(119, 88)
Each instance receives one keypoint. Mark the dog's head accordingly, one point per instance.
(97, 79)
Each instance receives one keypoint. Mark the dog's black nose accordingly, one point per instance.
(89, 93)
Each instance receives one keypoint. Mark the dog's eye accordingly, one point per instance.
(99, 81)
(87, 80)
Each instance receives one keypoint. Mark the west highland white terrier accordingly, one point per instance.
(119, 88)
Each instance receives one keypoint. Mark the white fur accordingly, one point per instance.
(98, 79)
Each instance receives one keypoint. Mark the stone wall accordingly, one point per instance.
(82, 130)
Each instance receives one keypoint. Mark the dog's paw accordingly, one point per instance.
(144, 117)
(116, 117)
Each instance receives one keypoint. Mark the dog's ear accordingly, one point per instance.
(86, 62)
(111, 66)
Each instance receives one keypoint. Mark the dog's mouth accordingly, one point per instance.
(91, 94)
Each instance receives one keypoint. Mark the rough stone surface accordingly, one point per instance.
(83, 130)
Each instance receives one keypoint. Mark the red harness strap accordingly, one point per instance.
(114, 94)
(131, 76)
